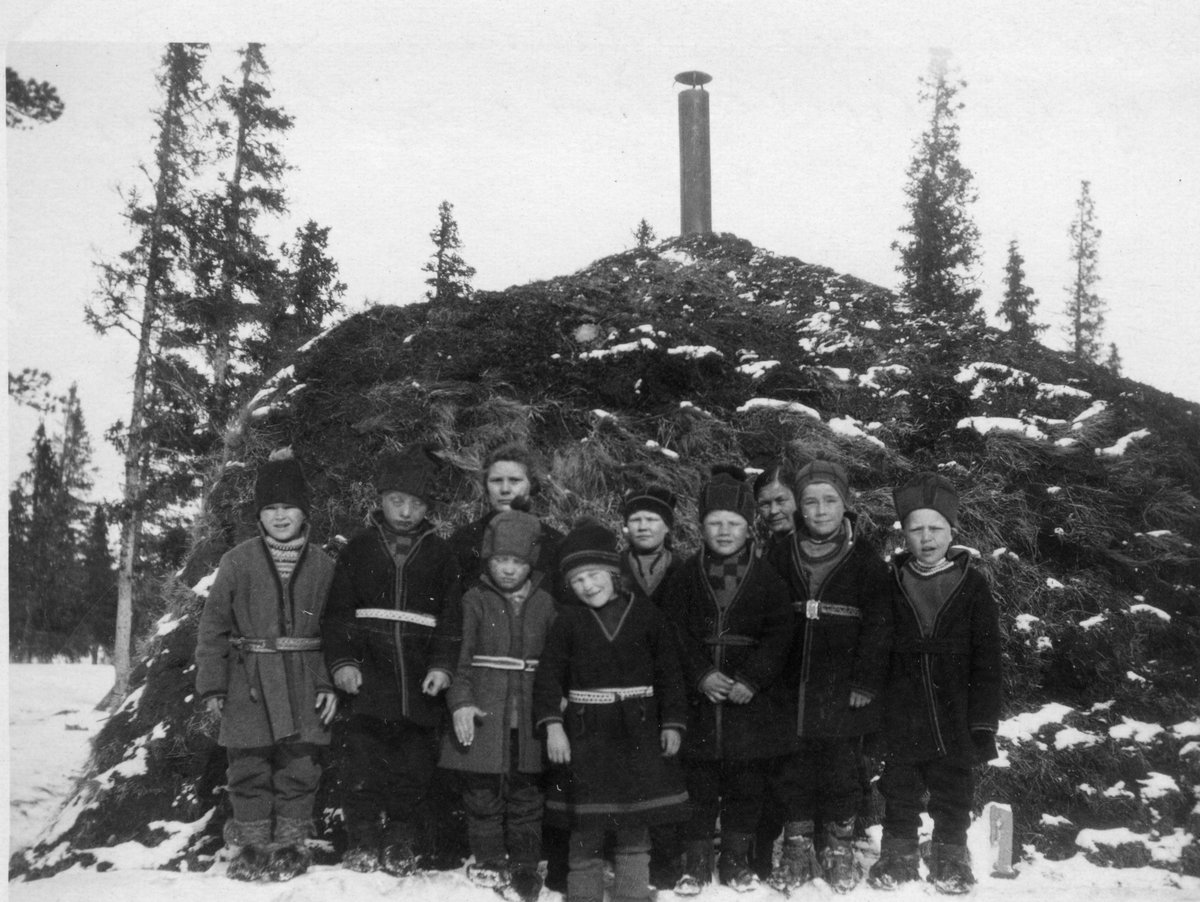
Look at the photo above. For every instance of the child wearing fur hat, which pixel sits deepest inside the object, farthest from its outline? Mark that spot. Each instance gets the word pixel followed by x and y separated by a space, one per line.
pixel 392 636
pixel 942 704
pixel 507 614
pixel 732 617
pixel 260 671
pixel 612 656
pixel 841 595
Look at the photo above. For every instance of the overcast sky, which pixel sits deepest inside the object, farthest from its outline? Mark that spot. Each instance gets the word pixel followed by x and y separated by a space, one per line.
pixel 552 129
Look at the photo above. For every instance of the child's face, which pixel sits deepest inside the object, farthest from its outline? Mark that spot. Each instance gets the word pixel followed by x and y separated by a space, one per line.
pixel 508 572
pixel 507 480
pixel 777 506
pixel 281 521
pixel 927 535
pixel 725 532
pixel 822 509
pixel 647 531
pixel 595 588
pixel 402 511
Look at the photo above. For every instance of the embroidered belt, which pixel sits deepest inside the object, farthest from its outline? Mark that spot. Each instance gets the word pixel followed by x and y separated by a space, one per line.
pixel 731 639
pixel 501 662
pixel 272 646
pixel 608 696
pixel 405 616
pixel 813 609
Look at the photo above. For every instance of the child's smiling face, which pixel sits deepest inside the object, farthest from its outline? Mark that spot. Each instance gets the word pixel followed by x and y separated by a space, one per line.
pixel 927 535
pixel 281 521
pixel 507 571
pixel 594 587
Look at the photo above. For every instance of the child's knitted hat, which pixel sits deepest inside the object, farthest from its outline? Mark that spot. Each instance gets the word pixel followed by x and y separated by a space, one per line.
pixel 281 481
pixel 824 472
pixel 589 546
pixel 727 491
pixel 512 532
pixel 412 471
pixel 927 490
pixel 656 499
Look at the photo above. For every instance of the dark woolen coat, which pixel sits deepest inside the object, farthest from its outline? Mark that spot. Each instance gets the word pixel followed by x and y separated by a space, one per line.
pixel 488 630
pixel 617 776
pixel 466 540
pixel 269 697
pixel 941 687
pixel 394 656
pixel 748 641
pixel 835 653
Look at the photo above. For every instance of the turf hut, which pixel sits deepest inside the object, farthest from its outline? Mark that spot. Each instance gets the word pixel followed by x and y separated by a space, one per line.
pixel 1079 492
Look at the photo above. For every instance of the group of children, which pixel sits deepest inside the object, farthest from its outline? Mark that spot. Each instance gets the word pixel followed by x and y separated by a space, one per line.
pixel 598 702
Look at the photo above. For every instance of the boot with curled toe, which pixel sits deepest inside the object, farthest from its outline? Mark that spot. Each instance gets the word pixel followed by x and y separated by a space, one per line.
pixel 734 865
pixel 897 863
pixel 290 855
pixel 697 868
pixel 950 869
pixel 250 843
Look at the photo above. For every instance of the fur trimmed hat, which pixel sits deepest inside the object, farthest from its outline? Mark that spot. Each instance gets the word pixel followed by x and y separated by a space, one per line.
pixel 727 491
pixel 512 532
pixel 824 472
pixel 413 471
pixel 281 481
pixel 589 545
pixel 656 499
pixel 927 490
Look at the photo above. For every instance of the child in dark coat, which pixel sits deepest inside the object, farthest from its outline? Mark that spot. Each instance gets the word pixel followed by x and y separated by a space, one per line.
pixel 732 616
pixel 611 655
pixel 259 669
pixel 942 704
pixel 391 639
pixel 841 595
pixel 507 614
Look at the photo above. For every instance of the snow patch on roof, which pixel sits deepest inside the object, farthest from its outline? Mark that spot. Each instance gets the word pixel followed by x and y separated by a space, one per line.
pixel 1135 730
pixel 757 369
pixel 1022 727
pixel 984 425
pixel 850 427
pixel 1069 737
pixel 1098 407
pixel 625 348
pixel 1025 622
pixel 695 351
pixel 312 342
pixel 1119 448
pixel 1149 609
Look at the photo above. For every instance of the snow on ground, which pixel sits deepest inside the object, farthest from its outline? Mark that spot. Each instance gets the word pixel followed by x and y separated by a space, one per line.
pixel 45 699
pixel 51 718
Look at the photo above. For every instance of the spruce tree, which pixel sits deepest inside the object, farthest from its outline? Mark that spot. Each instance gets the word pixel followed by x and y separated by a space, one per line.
pixel 1019 303
pixel 936 259
pixel 1085 309
pixel 450 276
pixel 1113 362
pixel 644 235
pixel 29 100
pixel 139 294
pixel 99 596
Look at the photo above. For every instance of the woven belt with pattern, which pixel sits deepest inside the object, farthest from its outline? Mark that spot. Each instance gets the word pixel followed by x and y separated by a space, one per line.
pixel 273 646
pixel 608 696
pixel 405 616
pixel 502 662
pixel 732 639
pixel 813 609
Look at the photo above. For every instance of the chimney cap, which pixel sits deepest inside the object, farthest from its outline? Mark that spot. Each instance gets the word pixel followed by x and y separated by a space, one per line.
pixel 695 78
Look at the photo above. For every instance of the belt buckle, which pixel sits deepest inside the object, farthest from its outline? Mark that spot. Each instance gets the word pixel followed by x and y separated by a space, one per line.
pixel 812 609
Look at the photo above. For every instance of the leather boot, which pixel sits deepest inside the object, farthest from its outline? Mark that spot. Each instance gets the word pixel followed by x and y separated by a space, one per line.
pixel 734 867
pixel 398 856
pixel 897 862
pixel 697 867
pixel 950 869
pixel 798 860
pixel 842 870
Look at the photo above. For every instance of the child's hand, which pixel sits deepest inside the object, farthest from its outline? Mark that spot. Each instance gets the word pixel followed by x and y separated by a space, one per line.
pixel 326 706
pixel 558 747
pixel 464 723
pixel 435 682
pixel 670 742
pixel 716 686
pixel 740 694
pixel 348 678
pixel 859 699
pixel 215 706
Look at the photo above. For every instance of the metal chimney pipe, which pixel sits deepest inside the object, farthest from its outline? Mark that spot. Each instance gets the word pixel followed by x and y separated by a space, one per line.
pixel 695 163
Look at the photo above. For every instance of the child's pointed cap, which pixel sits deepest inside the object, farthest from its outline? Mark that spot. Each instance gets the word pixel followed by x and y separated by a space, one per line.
pixel 512 532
